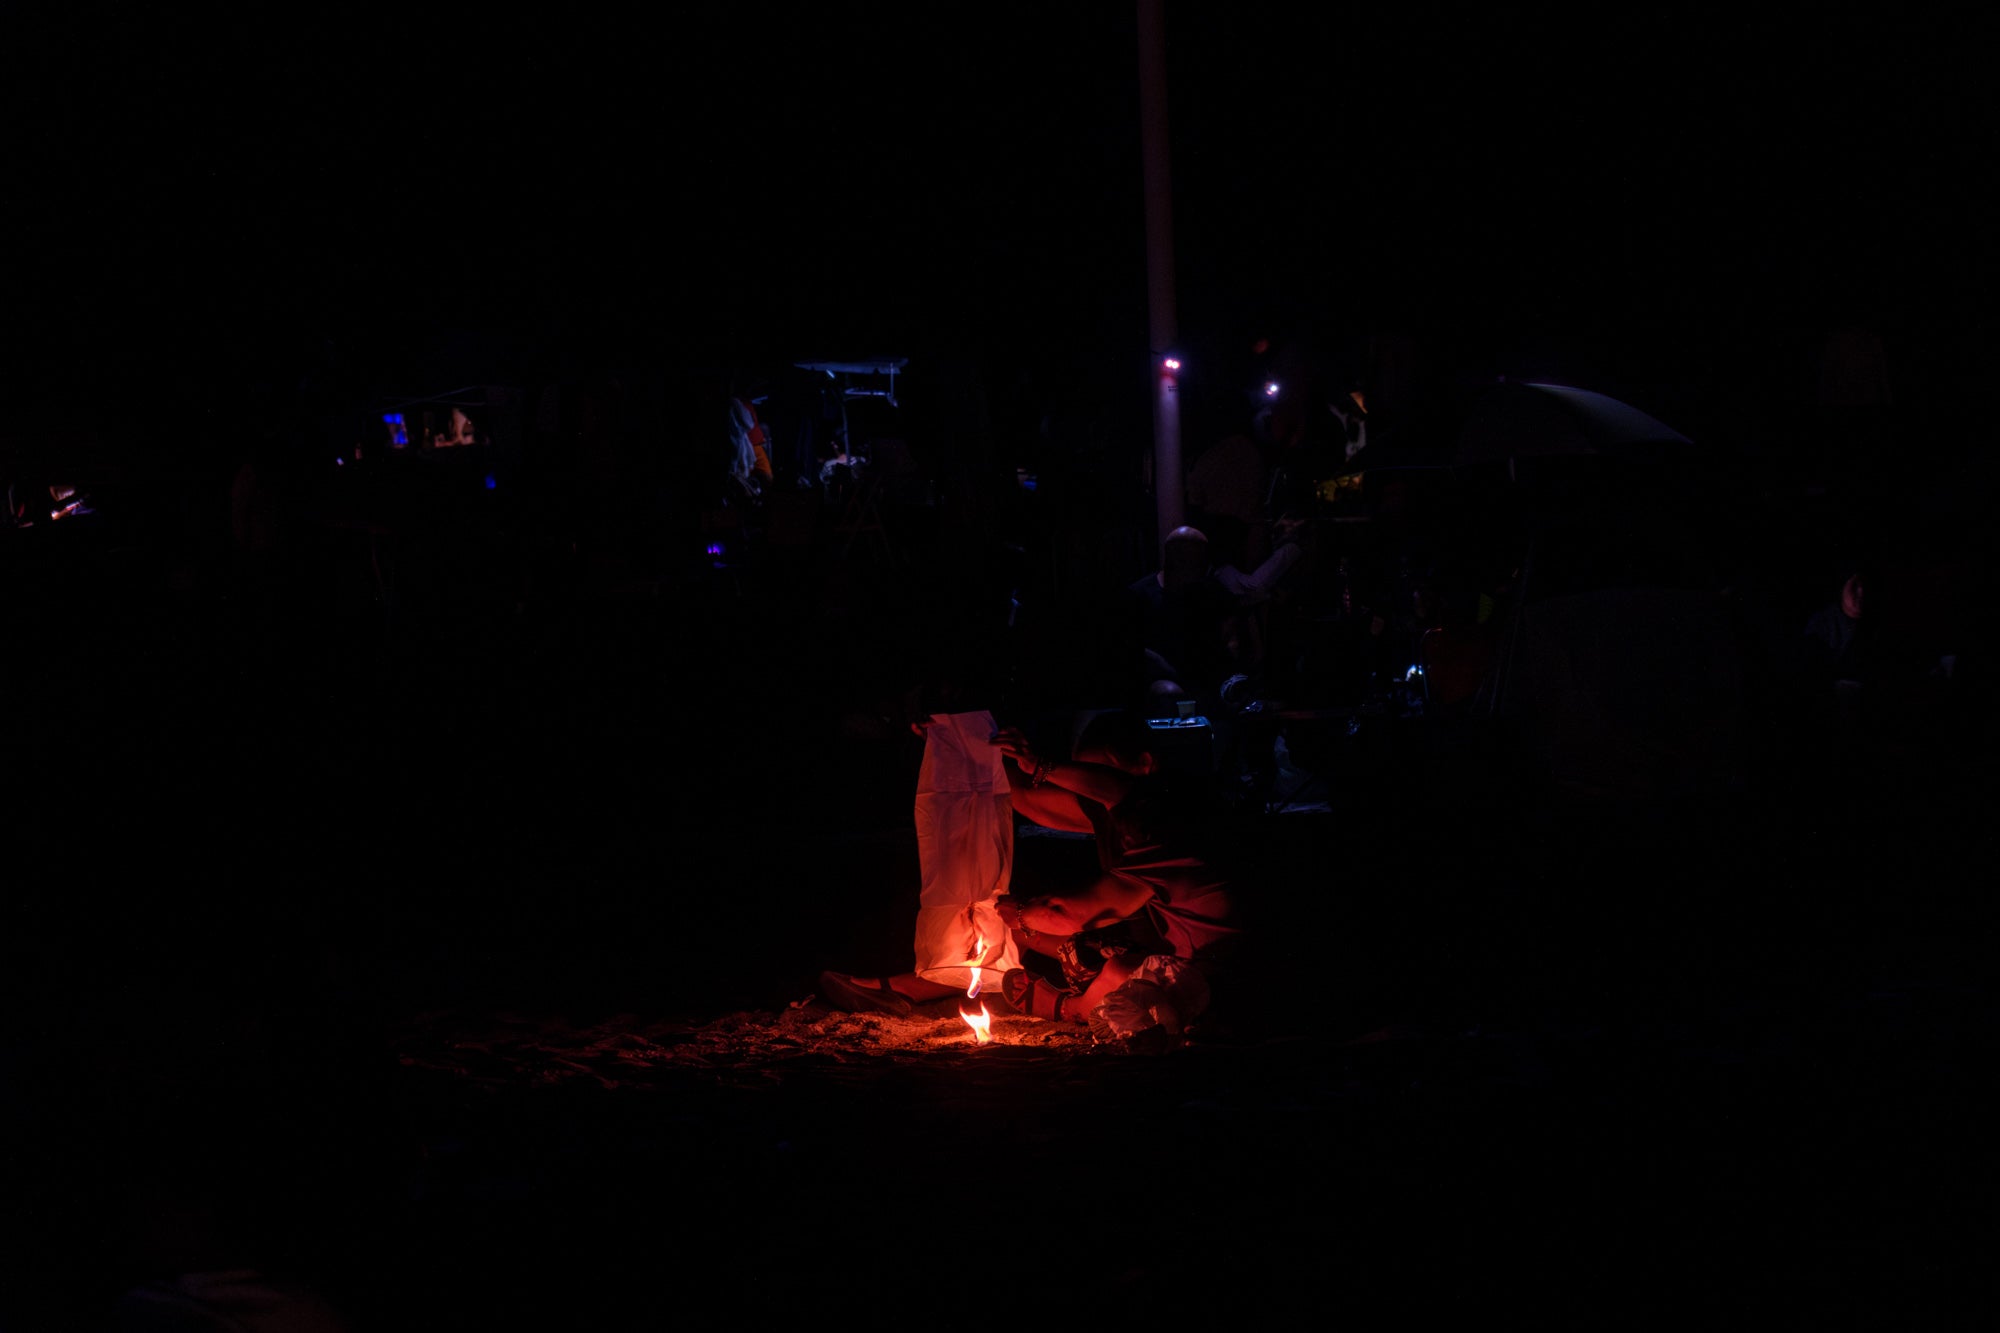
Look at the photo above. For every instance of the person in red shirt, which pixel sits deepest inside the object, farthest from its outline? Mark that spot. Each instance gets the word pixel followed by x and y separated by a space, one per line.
pixel 1162 913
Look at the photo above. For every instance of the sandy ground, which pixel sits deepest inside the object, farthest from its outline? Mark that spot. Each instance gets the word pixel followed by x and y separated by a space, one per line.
pixel 487 1168
pixel 626 1050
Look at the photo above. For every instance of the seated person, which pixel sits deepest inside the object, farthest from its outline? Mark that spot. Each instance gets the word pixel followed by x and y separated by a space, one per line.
pixel 1199 623
pixel 1834 644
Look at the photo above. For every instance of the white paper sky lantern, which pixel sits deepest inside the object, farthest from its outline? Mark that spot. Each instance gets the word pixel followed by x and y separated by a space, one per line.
pixel 965 855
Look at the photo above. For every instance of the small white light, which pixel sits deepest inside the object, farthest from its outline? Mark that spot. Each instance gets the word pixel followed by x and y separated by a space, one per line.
pixel 1271 389
pixel 1173 363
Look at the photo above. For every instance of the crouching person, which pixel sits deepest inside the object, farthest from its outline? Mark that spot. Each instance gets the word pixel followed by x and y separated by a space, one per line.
pixel 1141 947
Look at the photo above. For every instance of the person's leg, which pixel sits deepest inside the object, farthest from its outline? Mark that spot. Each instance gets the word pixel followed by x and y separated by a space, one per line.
pixel 1115 973
pixel 920 990
pixel 1039 998
pixel 907 984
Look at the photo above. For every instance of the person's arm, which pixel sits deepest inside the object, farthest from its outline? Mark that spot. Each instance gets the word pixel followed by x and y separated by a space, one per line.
pixel 1045 804
pixel 1048 805
pixel 1108 899
pixel 1093 782
pixel 1258 585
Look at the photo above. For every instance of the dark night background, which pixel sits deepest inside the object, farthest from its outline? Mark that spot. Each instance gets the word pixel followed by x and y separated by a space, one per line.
pixel 1688 206
pixel 243 832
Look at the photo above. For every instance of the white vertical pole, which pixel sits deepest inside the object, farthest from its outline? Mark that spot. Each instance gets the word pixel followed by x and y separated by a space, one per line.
pixel 1169 482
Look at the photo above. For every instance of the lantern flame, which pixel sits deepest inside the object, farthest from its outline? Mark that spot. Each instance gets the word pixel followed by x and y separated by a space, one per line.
pixel 981 1023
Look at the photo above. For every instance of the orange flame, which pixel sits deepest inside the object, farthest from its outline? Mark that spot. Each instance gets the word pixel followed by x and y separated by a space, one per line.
pixel 981 1023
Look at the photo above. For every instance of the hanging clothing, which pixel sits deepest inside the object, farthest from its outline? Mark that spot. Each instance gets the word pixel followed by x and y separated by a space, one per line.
pixel 749 441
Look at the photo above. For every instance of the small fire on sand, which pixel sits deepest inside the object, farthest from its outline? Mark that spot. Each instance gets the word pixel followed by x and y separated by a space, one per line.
pixel 981 1023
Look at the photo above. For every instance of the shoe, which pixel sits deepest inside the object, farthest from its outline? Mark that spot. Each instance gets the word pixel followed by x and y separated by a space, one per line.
pixel 844 992
pixel 1028 994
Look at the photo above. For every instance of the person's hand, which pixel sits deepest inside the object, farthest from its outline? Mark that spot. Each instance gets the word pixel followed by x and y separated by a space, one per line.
pixel 1046 915
pixel 1011 742
pixel 1013 913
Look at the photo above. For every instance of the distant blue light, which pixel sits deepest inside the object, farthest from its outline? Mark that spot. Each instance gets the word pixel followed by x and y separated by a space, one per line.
pixel 715 548
pixel 491 483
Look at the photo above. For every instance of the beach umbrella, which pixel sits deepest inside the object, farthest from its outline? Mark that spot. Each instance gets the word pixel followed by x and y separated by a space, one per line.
pixel 1511 419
